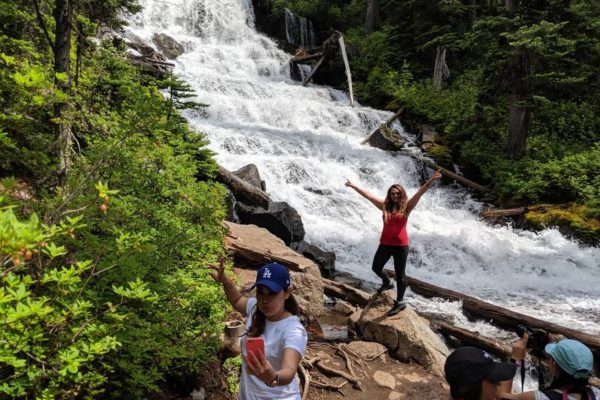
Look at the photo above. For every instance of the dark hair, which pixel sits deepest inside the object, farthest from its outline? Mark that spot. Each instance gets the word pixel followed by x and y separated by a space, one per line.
pixel 388 204
pixel 570 383
pixel 258 318
pixel 466 391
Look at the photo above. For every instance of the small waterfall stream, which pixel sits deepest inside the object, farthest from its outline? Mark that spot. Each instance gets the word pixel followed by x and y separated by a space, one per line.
pixel 306 142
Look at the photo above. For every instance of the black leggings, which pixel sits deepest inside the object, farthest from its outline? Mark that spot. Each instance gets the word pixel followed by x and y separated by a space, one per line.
pixel 400 254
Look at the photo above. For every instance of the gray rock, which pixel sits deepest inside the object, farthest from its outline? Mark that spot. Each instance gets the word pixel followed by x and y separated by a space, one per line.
pixel 386 139
pixel 324 259
pixel 384 379
pixel 281 219
pixel 250 174
pixel 169 46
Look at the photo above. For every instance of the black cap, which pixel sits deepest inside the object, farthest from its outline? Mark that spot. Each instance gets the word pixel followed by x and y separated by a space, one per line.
pixel 470 365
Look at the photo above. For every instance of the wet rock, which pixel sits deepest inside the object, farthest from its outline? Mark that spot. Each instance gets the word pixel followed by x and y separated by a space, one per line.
pixel 386 139
pixel 281 219
pixel 324 259
pixel 169 46
pixel 250 174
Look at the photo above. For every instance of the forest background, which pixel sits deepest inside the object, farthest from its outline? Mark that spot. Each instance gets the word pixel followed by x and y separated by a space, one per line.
pixel 109 211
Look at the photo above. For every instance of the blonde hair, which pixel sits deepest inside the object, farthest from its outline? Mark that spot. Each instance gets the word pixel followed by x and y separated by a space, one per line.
pixel 389 206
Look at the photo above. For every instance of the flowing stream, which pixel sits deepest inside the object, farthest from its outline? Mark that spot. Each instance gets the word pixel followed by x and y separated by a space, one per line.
pixel 306 142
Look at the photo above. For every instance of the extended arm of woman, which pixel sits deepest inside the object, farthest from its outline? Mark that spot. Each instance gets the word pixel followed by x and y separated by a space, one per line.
pixel 412 203
pixel 262 369
pixel 237 300
pixel 377 202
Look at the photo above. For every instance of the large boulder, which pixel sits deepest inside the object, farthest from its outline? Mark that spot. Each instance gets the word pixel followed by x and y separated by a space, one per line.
pixel 406 335
pixel 250 174
pixel 386 139
pixel 281 219
pixel 246 241
pixel 169 46
pixel 324 259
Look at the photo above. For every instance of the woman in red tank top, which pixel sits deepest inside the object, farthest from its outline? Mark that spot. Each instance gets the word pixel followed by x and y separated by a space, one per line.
pixel 396 208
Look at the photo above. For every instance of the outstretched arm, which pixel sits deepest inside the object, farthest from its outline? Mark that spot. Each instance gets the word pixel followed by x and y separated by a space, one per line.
pixel 412 203
pixel 237 300
pixel 377 202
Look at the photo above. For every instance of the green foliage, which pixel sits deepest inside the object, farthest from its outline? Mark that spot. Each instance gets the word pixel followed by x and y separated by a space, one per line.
pixel 53 343
pixel 232 366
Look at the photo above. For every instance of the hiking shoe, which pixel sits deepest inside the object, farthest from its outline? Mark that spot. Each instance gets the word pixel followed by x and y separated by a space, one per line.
pixel 385 286
pixel 397 307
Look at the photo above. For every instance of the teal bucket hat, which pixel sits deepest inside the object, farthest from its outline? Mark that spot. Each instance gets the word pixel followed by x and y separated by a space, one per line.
pixel 574 357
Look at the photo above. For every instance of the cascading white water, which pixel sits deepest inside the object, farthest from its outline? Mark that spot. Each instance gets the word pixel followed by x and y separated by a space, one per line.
pixel 306 142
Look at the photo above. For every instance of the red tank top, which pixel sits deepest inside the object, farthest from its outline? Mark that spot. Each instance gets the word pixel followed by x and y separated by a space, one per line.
pixel 394 231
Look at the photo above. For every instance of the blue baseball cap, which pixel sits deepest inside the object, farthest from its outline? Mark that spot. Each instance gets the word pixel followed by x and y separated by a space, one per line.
pixel 574 357
pixel 274 276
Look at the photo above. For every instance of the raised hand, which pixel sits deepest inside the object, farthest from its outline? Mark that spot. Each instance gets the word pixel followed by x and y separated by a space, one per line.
pixel 348 183
pixel 437 175
pixel 219 274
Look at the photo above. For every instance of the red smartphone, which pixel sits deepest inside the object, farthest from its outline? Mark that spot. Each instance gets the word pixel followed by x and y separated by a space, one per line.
pixel 253 345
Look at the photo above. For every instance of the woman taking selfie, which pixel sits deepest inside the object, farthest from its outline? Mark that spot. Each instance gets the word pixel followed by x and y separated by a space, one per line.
pixel 268 374
pixel 396 208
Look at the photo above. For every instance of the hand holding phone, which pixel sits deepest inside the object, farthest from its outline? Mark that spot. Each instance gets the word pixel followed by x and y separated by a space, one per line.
pixel 254 345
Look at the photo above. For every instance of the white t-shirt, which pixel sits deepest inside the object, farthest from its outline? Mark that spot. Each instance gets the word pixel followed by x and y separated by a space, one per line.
pixel 287 333
pixel 542 396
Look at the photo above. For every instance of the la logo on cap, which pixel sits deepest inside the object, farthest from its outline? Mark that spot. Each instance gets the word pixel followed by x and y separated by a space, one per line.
pixel 487 355
pixel 267 273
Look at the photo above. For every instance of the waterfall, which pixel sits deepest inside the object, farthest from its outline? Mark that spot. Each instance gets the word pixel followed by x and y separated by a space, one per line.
pixel 306 142
pixel 290 26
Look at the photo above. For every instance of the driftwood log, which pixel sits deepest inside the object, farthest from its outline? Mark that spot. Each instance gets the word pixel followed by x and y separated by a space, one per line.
pixel 452 175
pixel 346 292
pixel 301 59
pixel 242 190
pixel 384 125
pixel 314 70
pixel 506 212
pixel 498 315
pixel 475 339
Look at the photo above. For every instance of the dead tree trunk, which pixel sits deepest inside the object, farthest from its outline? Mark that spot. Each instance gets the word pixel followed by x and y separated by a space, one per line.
pixel 469 338
pixel 498 213
pixel 440 70
pixel 518 125
pixel 62 50
pixel 498 315
pixel 242 190
pixel 372 15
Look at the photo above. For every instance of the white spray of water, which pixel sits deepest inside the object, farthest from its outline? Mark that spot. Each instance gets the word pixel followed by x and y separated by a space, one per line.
pixel 306 142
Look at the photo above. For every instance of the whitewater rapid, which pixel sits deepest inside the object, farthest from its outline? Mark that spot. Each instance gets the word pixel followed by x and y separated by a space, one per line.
pixel 306 143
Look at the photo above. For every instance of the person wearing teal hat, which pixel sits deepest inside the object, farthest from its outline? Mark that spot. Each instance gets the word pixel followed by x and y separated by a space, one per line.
pixel 571 364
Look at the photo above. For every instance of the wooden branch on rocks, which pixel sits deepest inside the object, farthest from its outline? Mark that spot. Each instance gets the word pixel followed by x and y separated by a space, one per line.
pixel 346 292
pixel 452 175
pixel 475 339
pixel 306 58
pixel 305 378
pixel 384 125
pixel 242 190
pixel 314 71
pixel 499 315
pixel 506 212
pixel 258 256
pixel 333 371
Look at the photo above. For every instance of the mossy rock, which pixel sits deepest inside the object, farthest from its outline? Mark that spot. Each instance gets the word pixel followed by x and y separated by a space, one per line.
pixel 570 218
pixel 441 154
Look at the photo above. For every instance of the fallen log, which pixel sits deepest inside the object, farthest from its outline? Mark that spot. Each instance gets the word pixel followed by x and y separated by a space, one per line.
pixel 306 58
pixel 242 190
pixel 506 212
pixel 258 256
pixel 452 175
pixel 498 315
pixel 314 71
pixel 346 292
pixel 475 339
pixel 384 125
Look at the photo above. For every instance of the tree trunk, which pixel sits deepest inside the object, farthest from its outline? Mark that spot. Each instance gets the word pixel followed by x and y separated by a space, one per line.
pixel 372 15
pixel 242 190
pixel 511 5
pixel 518 125
pixel 62 50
